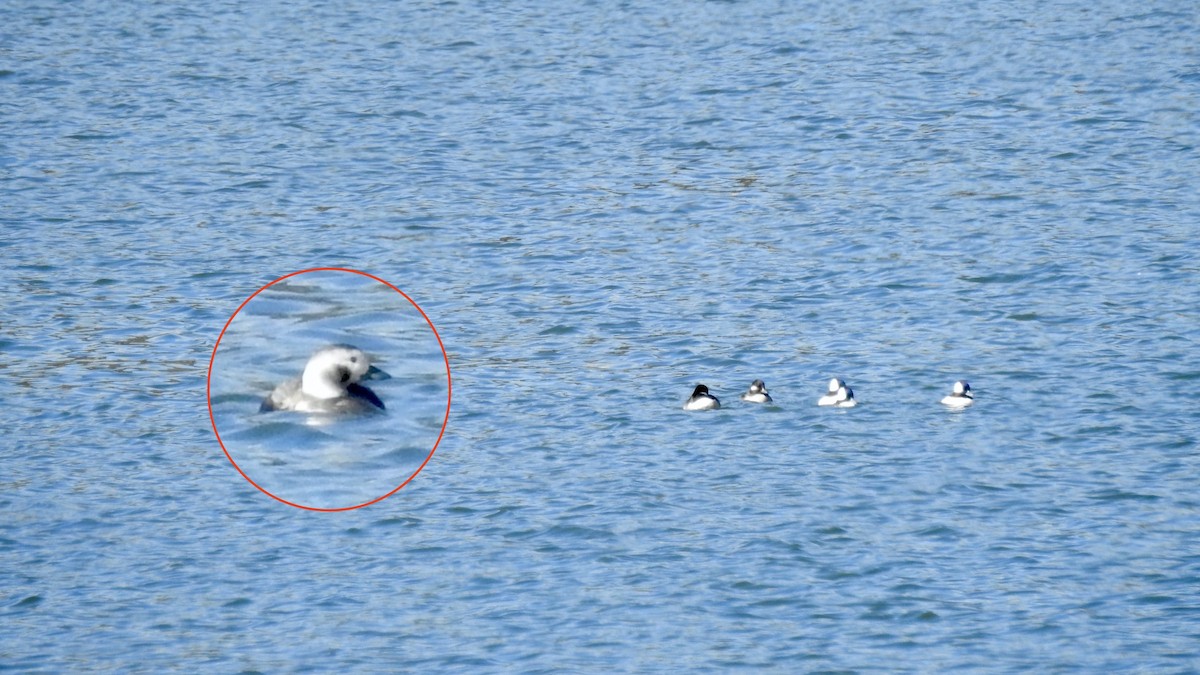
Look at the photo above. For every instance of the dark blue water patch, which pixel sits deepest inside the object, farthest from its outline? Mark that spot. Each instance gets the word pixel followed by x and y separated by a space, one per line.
pixel 1122 495
pixel 92 135
pixel 457 45
pixel 28 602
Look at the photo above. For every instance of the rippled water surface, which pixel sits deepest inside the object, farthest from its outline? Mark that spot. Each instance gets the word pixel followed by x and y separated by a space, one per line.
pixel 600 205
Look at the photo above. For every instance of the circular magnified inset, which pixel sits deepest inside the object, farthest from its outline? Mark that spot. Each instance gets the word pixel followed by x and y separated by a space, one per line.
pixel 329 389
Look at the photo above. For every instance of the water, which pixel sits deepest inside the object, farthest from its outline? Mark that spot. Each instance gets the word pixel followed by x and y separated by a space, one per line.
pixel 599 206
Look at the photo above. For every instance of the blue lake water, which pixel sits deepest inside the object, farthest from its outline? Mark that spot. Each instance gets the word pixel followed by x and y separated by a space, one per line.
pixel 600 205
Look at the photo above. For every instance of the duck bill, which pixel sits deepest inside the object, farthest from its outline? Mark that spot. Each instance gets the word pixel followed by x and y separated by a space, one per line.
pixel 374 373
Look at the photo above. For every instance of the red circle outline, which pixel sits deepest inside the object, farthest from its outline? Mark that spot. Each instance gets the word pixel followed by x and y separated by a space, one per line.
pixel 213 419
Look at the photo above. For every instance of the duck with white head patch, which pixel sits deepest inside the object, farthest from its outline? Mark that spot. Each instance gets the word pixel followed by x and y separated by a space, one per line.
pixel 960 396
pixel 757 393
pixel 330 384
pixel 839 395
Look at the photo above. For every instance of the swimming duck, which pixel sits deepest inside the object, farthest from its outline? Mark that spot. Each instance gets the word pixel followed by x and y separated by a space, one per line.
pixel 757 393
pixel 960 397
pixel 702 400
pixel 839 395
pixel 330 384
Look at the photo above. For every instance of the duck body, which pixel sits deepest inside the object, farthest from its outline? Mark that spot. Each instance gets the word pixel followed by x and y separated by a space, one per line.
pixel 330 384
pixel 960 396
pixel 757 393
pixel 702 400
pixel 838 395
